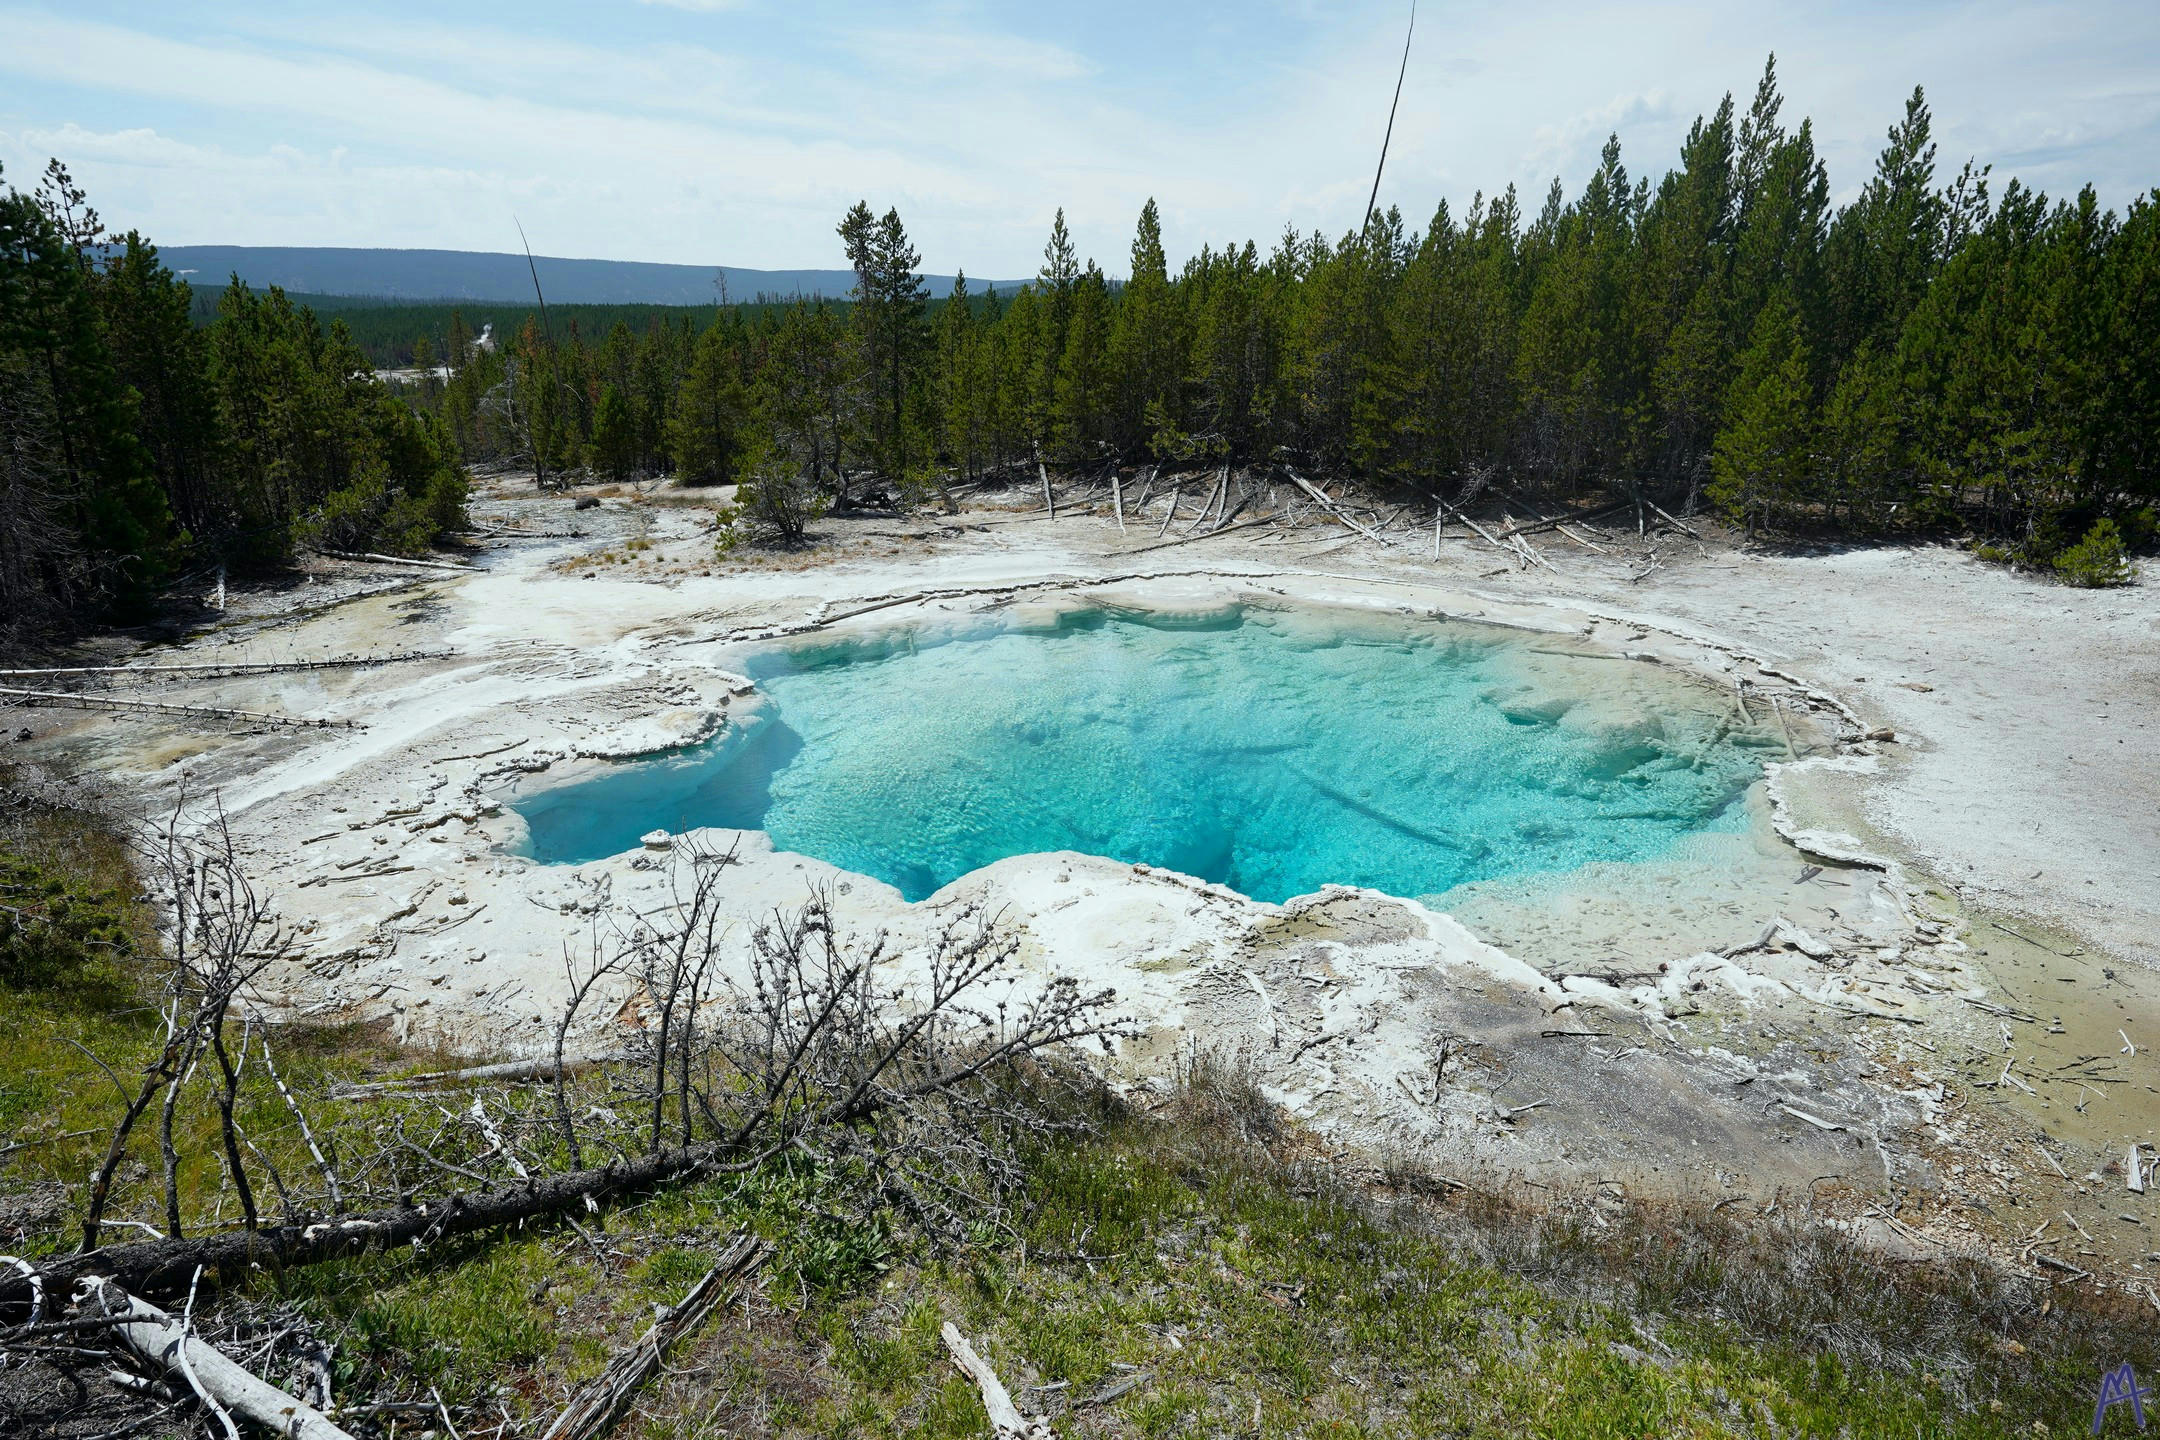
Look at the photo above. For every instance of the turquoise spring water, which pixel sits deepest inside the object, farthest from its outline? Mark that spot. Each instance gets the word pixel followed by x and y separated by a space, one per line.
pixel 1271 753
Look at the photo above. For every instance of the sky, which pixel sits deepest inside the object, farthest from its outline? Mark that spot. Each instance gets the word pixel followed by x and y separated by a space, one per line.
pixel 738 131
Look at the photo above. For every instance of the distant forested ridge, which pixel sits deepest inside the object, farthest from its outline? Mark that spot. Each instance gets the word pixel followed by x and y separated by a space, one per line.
pixel 1930 358
pixel 393 333
pixel 493 276
pixel 137 447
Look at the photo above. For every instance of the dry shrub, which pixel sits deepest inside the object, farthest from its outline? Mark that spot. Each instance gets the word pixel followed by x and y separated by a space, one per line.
pixel 1782 1279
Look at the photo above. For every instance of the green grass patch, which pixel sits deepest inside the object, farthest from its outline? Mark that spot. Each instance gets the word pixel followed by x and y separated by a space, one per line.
pixel 1199 1272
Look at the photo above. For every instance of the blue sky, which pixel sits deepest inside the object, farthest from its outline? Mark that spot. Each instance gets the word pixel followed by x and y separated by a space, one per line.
pixel 737 131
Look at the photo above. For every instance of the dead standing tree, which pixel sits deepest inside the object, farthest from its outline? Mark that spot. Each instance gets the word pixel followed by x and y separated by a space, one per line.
pixel 219 934
pixel 950 1074
pixel 674 959
pixel 818 1049
pixel 923 1069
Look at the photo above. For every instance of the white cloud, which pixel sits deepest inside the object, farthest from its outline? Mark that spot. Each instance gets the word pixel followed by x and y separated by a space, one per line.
pixel 977 56
pixel 743 142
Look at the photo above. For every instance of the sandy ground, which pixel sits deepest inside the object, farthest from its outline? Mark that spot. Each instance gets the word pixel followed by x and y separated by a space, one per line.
pixel 1898 996
pixel 2029 773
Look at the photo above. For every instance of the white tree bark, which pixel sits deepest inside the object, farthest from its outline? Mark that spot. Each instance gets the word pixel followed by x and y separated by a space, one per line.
pixel 161 1341
pixel 1006 1421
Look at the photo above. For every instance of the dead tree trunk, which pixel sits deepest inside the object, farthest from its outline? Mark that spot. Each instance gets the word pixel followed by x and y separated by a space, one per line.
pixel 1331 507
pixel 1006 1421
pixel 163 1267
pixel 508 1070
pixel 596 1408
pixel 158 1339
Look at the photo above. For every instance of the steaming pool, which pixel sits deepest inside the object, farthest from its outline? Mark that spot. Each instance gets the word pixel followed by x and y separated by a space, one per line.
pixel 1273 752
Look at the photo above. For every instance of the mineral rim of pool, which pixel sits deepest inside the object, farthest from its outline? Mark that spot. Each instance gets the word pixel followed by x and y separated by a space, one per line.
pixel 1273 752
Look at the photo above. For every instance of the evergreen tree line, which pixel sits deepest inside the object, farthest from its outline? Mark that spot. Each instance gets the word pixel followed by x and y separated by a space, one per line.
pixel 1927 356
pixel 138 448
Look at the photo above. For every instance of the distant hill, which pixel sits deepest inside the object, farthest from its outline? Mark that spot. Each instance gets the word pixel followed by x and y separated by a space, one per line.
pixel 480 275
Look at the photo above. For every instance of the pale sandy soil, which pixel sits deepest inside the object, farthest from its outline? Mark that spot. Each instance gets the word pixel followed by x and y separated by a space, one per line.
pixel 1592 1028
pixel 2029 773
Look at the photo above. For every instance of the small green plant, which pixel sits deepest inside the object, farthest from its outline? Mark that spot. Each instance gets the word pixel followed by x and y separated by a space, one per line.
pixel 52 927
pixel 2100 559
pixel 922 487
pixel 774 505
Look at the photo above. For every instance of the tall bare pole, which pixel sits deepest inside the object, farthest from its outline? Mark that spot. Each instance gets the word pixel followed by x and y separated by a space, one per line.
pixel 549 330
pixel 1390 135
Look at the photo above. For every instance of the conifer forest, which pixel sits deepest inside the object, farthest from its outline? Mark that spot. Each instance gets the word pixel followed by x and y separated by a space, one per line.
pixel 1945 353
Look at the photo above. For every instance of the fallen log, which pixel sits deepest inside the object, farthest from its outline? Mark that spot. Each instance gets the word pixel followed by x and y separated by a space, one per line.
pixel 1815 1120
pixel 508 1070
pixel 269 667
pixel 1224 521
pixel 157 1339
pixel 1679 525
pixel 596 1407
pixel 1558 521
pixel 165 1267
pixel 1487 536
pixel 1320 498
pixel 1209 503
pixel 1188 539
pixel 159 707
pixel 373 559
pixel 1006 1421
pixel 1579 539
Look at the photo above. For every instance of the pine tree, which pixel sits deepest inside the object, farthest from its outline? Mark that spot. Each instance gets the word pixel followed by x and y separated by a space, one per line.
pixel 1456 329
pixel 71 404
pixel 1054 284
pixel 1678 300
pixel 890 302
pixel 1888 244
pixel 1147 360
pixel 1782 197
pixel 1576 366
pixel 707 433
pixel 160 353
pixel 614 437
pixel 1865 476
pixel 656 370
pixel 954 405
pixel 1082 420
pixel 460 349
pixel 1764 455
pixel 2124 415
pixel 809 398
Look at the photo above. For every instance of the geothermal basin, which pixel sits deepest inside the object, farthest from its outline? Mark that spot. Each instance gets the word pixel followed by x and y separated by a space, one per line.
pixel 1274 752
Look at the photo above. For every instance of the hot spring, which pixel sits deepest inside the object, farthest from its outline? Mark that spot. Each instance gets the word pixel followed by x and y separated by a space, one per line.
pixel 1271 752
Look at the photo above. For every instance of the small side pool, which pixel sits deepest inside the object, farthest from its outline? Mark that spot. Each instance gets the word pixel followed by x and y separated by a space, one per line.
pixel 1271 752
